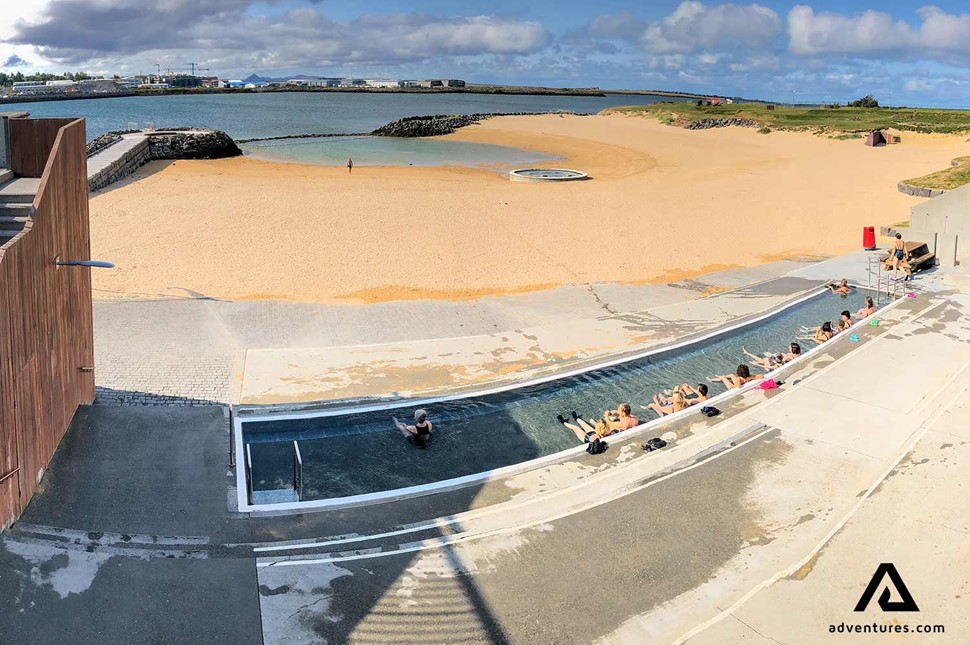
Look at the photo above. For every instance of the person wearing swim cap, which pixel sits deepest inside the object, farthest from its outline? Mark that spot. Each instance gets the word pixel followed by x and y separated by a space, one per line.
pixel 420 432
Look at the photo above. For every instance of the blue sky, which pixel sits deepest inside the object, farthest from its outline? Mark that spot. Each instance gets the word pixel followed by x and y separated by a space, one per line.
pixel 814 51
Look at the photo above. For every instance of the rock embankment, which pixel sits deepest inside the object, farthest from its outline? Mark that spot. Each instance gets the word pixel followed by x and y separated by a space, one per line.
pixel 706 124
pixel 439 124
pixel 192 144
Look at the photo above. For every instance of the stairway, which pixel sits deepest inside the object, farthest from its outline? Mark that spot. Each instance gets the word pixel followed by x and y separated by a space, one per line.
pixel 16 204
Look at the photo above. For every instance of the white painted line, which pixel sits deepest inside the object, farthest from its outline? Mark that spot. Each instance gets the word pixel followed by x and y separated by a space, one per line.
pixel 909 446
pixel 513 469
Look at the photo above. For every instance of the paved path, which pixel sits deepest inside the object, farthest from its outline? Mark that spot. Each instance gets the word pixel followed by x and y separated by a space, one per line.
pixel 113 153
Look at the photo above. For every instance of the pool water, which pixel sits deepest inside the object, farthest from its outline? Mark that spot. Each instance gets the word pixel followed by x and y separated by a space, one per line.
pixel 390 151
pixel 362 453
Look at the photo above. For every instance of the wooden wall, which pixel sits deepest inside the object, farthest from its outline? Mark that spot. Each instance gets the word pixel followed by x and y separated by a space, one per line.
pixel 31 141
pixel 46 325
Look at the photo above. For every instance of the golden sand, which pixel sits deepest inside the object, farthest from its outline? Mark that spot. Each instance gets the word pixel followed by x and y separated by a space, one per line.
pixel 664 204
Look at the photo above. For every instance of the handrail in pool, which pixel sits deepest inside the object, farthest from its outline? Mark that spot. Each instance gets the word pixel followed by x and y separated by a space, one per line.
pixel 454 483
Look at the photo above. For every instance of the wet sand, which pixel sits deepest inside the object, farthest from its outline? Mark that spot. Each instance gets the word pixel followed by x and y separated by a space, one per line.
pixel 664 204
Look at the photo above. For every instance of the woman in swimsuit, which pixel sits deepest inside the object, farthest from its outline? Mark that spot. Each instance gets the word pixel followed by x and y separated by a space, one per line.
pixel 677 402
pixel 741 376
pixel 899 252
pixel 420 432
pixel 866 311
pixel 842 288
pixel 823 333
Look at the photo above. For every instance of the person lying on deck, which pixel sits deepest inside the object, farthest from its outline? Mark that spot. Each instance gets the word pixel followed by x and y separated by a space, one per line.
pixel 741 376
pixel 420 432
pixel 866 311
pixel 842 288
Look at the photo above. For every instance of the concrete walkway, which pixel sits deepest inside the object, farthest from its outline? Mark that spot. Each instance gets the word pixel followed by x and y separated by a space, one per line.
pixel 113 153
pixel 193 351
pixel 852 463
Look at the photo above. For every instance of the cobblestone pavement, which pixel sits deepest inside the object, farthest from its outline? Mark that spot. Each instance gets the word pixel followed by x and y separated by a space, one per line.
pixel 192 351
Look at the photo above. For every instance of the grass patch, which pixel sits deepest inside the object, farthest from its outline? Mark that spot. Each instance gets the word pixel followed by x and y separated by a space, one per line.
pixel 834 121
pixel 764 130
pixel 847 135
pixel 947 179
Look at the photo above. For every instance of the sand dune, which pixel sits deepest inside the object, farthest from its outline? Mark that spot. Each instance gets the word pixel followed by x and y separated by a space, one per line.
pixel 664 203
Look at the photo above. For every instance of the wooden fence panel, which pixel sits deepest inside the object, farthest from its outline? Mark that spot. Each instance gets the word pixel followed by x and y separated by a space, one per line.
pixel 46 322
pixel 31 142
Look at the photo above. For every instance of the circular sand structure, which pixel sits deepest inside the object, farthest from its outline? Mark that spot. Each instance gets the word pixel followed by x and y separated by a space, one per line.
pixel 547 175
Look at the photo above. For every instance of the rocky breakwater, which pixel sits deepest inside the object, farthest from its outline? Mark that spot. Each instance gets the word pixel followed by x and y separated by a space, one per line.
pixel 191 144
pixel 706 124
pixel 439 124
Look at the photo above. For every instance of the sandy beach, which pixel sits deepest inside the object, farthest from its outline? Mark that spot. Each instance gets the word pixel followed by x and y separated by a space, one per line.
pixel 664 204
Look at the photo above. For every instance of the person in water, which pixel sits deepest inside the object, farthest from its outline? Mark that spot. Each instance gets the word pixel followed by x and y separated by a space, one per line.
pixel 767 362
pixel 823 332
pixel 420 432
pixel 665 406
pixel 741 376
pixel 794 351
pixel 867 310
pixel 613 421
pixel 842 288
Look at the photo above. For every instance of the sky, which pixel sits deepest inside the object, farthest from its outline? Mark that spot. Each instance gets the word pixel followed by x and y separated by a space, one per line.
pixel 822 51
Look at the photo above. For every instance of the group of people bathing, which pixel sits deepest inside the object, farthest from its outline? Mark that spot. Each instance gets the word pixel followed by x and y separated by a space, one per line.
pixel 681 396
pixel 685 395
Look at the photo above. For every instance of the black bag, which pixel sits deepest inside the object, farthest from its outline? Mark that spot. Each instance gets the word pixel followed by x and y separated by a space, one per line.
pixel 597 446
pixel 710 411
pixel 654 444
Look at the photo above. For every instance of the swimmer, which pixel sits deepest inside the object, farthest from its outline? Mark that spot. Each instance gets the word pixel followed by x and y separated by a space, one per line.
pixel 741 376
pixel 420 432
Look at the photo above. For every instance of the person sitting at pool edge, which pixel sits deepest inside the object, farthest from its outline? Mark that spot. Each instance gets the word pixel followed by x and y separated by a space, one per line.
pixel 794 351
pixel 824 333
pixel 866 311
pixel 682 396
pixel 741 376
pixel 842 288
pixel 420 432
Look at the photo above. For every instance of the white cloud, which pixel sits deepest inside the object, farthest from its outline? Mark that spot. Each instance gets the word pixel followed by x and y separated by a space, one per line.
pixel 876 33
pixel 694 25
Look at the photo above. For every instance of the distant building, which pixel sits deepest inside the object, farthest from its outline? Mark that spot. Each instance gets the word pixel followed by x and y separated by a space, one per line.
pixel 454 82
pixel 185 80
pixel 430 84
pixel 408 83
pixel 382 83
pixel 352 82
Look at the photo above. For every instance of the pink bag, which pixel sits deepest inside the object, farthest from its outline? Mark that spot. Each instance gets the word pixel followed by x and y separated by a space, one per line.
pixel 767 384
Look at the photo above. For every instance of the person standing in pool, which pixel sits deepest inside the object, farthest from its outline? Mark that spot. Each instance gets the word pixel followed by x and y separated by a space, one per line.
pixel 350 166
pixel 420 432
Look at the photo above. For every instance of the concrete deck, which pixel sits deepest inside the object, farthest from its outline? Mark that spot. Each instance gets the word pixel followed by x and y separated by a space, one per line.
pixel 861 460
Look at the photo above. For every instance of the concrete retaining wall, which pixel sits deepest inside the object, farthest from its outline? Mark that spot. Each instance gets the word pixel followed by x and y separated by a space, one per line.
pixel 125 165
pixel 916 191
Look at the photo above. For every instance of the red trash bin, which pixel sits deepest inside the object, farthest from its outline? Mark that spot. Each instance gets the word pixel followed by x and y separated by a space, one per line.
pixel 869 238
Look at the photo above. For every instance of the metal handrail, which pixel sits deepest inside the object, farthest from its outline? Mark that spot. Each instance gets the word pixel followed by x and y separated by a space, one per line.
pixel 249 475
pixel 297 472
pixel 13 472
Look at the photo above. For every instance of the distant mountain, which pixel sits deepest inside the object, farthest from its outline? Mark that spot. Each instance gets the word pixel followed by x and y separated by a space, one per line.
pixel 256 78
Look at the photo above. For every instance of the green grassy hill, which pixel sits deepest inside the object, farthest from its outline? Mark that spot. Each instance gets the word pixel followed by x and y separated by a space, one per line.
pixel 818 120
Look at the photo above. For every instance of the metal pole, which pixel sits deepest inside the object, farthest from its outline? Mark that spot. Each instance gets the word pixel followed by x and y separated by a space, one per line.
pixel 249 475
pixel 232 439
pixel 297 472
